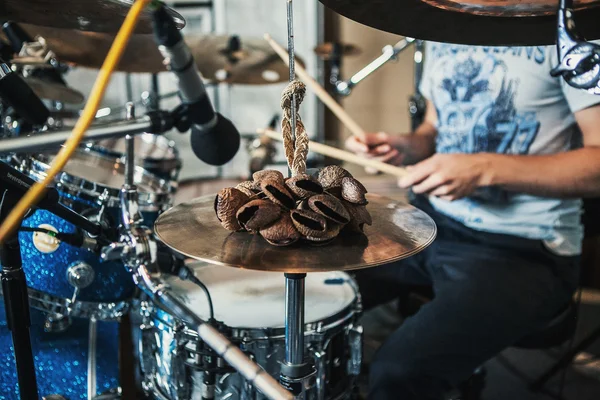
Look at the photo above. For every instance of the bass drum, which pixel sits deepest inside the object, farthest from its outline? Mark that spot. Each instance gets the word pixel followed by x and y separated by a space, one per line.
pixel 251 307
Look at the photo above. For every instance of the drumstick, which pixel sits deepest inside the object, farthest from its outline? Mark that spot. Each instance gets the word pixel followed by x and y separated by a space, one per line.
pixel 325 97
pixel 343 155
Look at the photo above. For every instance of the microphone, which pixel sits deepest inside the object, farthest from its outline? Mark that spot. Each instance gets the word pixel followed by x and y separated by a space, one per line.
pixel 214 139
pixel 15 92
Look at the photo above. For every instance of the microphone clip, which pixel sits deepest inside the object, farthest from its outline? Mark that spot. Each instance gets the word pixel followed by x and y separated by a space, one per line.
pixel 579 60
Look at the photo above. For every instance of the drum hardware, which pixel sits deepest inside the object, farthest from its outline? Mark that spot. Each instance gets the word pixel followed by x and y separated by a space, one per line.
pixel 86 15
pixel 389 53
pixel 579 60
pixel 138 249
pixel 332 50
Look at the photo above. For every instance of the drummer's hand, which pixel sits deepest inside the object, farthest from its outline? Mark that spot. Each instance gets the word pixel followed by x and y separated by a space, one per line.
pixel 377 146
pixel 448 176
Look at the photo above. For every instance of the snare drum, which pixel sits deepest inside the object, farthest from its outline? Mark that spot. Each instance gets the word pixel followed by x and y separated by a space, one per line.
pixel 251 304
pixel 57 272
pixel 156 154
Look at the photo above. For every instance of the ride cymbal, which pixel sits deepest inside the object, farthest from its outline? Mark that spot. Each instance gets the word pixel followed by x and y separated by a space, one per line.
pixel 84 15
pixel 474 22
pixel 222 59
pixel 398 231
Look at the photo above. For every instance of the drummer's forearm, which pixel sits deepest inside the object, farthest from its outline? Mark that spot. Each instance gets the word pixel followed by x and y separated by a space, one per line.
pixel 419 145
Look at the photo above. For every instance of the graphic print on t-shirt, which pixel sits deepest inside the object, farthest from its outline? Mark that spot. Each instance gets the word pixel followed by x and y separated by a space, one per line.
pixel 474 99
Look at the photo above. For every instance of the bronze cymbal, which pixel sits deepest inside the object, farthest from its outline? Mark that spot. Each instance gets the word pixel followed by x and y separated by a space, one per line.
pixel 326 50
pixel 254 63
pixel 84 15
pixel 54 91
pixel 398 231
pixel 474 22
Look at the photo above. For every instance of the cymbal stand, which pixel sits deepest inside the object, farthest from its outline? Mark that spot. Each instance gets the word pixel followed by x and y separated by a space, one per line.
pixel 390 53
pixel 295 371
pixel 138 250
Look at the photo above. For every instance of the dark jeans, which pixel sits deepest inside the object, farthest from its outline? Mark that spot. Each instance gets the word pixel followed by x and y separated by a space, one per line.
pixel 490 291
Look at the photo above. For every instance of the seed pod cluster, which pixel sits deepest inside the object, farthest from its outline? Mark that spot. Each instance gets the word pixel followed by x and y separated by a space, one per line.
pixel 303 207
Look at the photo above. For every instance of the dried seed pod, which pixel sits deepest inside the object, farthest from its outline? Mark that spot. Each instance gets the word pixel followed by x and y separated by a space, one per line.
pixel 353 191
pixel 303 205
pixel 277 192
pixel 258 214
pixel 335 191
pixel 303 186
pixel 249 188
pixel 282 232
pixel 309 223
pixel 332 176
pixel 359 216
pixel 329 207
pixel 227 202
pixel 265 174
pixel 332 231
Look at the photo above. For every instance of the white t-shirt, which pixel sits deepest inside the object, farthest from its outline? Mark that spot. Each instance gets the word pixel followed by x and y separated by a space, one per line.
pixel 503 100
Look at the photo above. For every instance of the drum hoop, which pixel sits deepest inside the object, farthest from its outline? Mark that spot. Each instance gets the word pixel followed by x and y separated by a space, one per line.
pixel 106 311
pixel 172 161
pixel 91 191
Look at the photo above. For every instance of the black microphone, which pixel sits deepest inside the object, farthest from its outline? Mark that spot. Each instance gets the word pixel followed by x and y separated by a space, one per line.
pixel 15 92
pixel 214 139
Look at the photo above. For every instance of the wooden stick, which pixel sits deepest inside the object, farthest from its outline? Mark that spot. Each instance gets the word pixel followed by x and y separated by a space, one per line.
pixel 335 108
pixel 343 155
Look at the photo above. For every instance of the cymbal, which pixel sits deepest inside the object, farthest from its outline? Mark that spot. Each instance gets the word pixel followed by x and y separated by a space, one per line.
pixel 326 50
pixel 474 22
pixel 398 231
pixel 84 15
pixel 54 91
pixel 254 63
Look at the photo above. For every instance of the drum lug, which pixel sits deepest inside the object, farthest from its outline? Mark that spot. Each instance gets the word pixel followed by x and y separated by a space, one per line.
pixel 79 275
pixel 355 336
pixel 56 323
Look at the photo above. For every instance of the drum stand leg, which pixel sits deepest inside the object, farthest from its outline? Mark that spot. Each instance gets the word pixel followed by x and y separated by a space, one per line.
pixel 295 370
pixel 16 302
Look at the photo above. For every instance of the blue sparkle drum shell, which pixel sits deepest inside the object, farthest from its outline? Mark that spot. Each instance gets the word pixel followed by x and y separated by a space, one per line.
pixel 61 359
pixel 90 185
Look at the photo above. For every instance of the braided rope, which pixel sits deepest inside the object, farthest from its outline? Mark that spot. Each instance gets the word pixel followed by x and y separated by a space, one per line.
pixel 295 153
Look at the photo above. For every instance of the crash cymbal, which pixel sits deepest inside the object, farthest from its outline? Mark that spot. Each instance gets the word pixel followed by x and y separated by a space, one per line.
pixel 475 22
pixel 54 91
pixel 85 15
pixel 219 58
pixel 328 50
pixel 398 231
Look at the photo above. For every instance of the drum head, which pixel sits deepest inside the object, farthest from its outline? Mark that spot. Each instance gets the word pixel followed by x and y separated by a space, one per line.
pixel 256 299
pixel 103 172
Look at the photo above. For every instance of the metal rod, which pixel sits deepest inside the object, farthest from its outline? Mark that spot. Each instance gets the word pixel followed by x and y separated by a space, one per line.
pixel 389 53
pixel 292 61
pixel 130 151
pixel 91 367
pixel 294 318
pixel 49 140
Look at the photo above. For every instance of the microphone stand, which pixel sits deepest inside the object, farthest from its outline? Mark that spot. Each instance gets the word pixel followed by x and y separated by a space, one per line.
pixel 16 303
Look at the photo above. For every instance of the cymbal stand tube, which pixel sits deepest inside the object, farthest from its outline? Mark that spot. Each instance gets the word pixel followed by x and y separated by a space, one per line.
pixel 390 53
pixel 295 371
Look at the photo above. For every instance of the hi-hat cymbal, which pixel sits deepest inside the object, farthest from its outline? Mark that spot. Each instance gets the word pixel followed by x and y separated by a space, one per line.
pixel 85 15
pixel 328 50
pixel 398 231
pixel 252 62
pixel 54 91
pixel 475 22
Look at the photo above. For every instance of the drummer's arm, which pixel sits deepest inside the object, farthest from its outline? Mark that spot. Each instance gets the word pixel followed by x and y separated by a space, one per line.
pixel 399 149
pixel 575 173
pixel 571 174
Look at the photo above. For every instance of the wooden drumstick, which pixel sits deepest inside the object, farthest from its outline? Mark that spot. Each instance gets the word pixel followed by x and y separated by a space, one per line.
pixel 325 97
pixel 343 155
